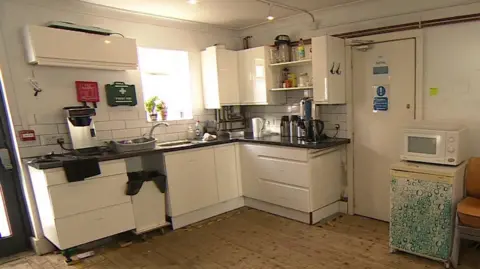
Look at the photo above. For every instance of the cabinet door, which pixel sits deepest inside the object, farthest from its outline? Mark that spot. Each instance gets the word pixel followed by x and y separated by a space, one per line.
pixel 192 182
pixel 226 169
pixel 336 81
pixel 210 79
pixel 250 183
pixel 227 62
pixel 319 69
pixel 421 219
pixel 328 63
pixel 244 77
pixel 258 67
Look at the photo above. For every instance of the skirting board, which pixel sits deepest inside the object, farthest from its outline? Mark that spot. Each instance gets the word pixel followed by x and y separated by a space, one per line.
pixel 331 209
pixel 316 216
pixel 278 210
pixel 41 246
pixel 205 213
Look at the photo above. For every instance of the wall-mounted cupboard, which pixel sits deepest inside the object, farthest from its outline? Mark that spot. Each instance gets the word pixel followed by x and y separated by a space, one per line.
pixel 247 77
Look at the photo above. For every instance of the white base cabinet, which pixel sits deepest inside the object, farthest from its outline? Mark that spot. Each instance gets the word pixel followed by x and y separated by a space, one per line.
pixel 75 213
pixel 200 179
pixel 301 179
pixel 192 182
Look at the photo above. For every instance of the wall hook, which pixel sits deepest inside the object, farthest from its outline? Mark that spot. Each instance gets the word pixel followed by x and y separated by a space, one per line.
pixel 338 69
pixel 332 70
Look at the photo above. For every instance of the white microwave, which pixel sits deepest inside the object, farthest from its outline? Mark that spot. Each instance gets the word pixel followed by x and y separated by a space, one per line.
pixel 438 145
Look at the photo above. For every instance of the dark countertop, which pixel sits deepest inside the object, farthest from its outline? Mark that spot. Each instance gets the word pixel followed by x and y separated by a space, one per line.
pixel 267 140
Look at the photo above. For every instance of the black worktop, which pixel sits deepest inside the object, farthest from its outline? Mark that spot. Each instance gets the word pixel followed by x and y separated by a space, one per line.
pixel 267 140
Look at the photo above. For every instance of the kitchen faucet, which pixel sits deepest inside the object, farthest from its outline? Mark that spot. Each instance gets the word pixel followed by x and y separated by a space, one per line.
pixel 155 126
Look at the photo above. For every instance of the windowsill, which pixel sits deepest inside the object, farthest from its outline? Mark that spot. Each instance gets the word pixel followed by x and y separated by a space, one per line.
pixel 169 120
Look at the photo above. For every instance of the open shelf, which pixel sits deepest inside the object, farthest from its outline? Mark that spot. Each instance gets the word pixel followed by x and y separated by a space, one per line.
pixel 291 89
pixel 294 63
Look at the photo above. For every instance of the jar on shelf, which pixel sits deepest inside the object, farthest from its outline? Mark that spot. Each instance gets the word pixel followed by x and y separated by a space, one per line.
pixel 303 80
pixel 282 42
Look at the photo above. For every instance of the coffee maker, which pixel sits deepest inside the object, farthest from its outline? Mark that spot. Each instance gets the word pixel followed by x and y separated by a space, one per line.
pixel 81 126
pixel 312 129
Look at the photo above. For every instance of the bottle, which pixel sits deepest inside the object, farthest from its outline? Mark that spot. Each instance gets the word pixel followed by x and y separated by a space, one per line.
pixel 190 133
pixel 301 50
pixel 198 129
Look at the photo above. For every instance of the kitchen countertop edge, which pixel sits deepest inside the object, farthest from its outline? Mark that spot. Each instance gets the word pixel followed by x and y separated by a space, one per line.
pixel 266 141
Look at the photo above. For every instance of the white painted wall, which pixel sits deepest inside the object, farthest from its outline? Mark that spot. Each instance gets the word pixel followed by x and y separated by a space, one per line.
pixel 360 15
pixel 44 113
pixel 452 64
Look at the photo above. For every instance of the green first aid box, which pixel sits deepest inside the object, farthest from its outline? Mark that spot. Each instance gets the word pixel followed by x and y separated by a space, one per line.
pixel 121 94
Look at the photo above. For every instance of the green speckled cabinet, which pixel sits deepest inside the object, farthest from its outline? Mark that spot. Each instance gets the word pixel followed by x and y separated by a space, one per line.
pixel 422 212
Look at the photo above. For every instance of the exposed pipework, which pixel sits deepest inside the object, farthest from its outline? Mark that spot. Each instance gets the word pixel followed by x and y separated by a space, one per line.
pixel 269 2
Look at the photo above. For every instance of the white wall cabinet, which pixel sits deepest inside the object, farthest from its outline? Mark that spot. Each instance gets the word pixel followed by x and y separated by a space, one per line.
pixel 226 171
pixel 192 182
pixel 77 49
pixel 328 60
pixel 220 77
pixel 255 78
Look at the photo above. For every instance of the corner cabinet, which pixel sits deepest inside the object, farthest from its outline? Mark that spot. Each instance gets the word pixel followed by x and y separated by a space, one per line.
pixel 220 77
pixel 328 66
pixel 255 78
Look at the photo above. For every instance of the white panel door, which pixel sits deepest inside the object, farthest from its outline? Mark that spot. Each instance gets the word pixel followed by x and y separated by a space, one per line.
pixel 378 134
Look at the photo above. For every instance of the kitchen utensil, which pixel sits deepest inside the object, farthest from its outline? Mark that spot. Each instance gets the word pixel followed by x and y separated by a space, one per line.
pixel 285 127
pixel 258 125
pixel 294 126
pixel 303 80
pixel 283 44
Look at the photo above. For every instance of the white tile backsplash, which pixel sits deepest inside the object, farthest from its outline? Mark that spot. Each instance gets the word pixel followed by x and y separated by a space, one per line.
pixel 137 124
pixel 45 129
pixel 124 115
pixel 126 133
pixel 62 128
pixel 109 125
pixel 330 114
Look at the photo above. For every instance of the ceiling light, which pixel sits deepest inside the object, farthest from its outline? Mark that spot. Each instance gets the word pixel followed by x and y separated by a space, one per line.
pixel 192 2
pixel 270 17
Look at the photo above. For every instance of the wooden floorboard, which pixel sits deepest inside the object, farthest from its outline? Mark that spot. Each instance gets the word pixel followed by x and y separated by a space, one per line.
pixel 248 238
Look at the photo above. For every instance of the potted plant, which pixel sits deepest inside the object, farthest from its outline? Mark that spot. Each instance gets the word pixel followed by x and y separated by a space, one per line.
pixel 161 107
pixel 150 105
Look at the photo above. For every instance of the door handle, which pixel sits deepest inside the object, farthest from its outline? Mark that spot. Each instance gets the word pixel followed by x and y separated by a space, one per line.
pixel 5 158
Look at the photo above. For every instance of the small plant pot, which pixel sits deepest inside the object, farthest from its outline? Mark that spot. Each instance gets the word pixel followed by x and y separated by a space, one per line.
pixel 154 117
pixel 163 115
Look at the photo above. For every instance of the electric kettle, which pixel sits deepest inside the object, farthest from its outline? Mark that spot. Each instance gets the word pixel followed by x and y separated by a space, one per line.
pixel 258 125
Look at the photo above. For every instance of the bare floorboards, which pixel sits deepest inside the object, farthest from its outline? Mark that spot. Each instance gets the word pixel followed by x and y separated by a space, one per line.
pixel 248 238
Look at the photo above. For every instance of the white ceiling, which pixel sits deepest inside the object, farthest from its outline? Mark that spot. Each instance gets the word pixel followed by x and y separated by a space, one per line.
pixel 232 14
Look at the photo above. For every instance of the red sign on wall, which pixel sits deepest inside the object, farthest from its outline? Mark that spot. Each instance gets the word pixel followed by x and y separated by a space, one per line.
pixel 87 91
pixel 27 135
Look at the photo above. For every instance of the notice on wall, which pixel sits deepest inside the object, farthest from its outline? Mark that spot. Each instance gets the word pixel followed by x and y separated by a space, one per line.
pixel 433 91
pixel 380 99
pixel 121 94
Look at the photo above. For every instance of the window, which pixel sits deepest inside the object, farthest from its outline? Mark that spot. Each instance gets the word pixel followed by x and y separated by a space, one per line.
pixel 166 75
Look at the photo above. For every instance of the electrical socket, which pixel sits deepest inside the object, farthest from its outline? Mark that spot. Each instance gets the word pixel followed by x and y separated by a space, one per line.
pixel 52 139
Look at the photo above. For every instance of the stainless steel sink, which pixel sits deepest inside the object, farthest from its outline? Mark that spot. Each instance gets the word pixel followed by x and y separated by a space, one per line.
pixel 176 143
pixel 136 144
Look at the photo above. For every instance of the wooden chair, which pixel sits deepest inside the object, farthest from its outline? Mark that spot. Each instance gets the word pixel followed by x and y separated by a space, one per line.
pixel 468 210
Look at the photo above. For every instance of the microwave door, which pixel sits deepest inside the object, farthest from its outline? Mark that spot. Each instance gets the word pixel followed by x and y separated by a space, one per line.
pixel 425 146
